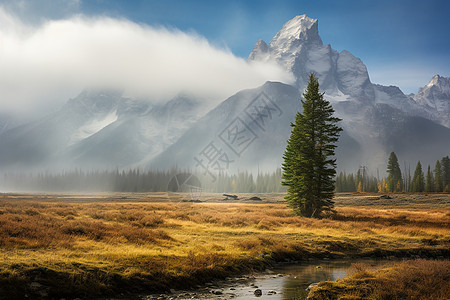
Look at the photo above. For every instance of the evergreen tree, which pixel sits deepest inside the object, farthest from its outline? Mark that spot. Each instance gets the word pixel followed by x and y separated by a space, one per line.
pixel 429 185
pixel 418 184
pixel 250 184
pixel 372 185
pixel 445 162
pixel 308 168
pixel 339 183
pixel 394 180
pixel 351 183
pixel 438 177
pixel 382 186
pixel 408 179
pixel 358 182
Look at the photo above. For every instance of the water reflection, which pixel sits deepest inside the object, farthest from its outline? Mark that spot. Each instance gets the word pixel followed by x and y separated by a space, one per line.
pixel 291 281
pixel 286 282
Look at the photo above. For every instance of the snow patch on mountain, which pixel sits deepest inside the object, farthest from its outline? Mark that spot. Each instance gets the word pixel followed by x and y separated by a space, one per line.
pixel 337 96
pixel 92 127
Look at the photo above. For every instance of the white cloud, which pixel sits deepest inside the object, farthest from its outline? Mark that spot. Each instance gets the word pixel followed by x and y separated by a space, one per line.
pixel 46 64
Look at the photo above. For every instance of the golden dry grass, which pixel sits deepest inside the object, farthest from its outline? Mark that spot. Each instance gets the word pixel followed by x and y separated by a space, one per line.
pixel 76 246
pixel 409 279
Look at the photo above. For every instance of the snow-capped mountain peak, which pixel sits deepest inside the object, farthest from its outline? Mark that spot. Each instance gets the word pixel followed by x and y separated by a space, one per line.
pixel 260 51
pixel 299 49
pixel 439 82
pixel 300 29
pixel 434 80
pixel 435 94
pixel 289 42
pixel 434 98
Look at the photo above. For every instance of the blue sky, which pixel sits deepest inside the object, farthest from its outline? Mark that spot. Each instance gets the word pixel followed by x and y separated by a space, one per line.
pixel 403 43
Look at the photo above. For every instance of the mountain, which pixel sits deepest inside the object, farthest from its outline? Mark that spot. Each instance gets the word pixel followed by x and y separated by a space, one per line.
pixel 141 131
pixel 237 136
pixel 98 129
pixel 342 76
pixel 360 103
pixel 299 48
pixel 370 133
pixel 434 100
pixel 377 119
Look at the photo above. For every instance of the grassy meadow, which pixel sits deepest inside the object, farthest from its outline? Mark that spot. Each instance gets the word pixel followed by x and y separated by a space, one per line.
pixel 100 245
pixel 409 279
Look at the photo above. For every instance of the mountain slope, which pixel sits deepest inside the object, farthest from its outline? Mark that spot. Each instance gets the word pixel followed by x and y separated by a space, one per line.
pixel 263 140
pixel 370 133
pixel 35 144
pixel 98 129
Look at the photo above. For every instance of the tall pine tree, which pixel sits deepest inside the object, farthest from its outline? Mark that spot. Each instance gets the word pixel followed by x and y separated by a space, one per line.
pixel 438 177
pixel 394 180
pixel 429 182
pixel 445 163
pixel 309 166
pixel 418 183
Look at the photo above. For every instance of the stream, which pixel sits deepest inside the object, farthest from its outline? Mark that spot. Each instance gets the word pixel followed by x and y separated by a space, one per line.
pixel 288 281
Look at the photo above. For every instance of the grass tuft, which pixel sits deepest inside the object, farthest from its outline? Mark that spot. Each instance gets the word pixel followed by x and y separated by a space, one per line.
pixel 409 279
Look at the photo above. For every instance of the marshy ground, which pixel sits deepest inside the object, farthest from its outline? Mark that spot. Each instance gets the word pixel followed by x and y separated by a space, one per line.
pixel 125 244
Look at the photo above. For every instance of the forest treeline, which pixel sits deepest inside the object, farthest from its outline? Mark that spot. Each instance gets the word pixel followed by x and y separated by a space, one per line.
pixel 435 179
pixel 139 181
